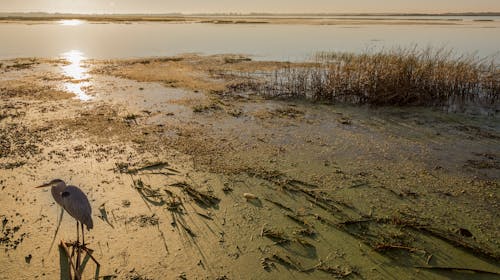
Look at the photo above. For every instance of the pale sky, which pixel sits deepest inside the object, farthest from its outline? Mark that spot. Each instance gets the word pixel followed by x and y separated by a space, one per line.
pixel 245 6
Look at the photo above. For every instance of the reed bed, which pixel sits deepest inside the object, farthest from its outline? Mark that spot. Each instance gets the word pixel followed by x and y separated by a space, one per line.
pixel 408 76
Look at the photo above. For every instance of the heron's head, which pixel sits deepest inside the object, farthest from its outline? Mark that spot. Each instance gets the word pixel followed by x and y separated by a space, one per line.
pixel 52 183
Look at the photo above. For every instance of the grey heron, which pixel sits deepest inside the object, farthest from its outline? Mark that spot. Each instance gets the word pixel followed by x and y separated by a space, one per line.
pixel 74 201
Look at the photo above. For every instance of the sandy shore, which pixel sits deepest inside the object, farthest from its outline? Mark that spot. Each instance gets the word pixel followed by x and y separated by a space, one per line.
pixel 166 150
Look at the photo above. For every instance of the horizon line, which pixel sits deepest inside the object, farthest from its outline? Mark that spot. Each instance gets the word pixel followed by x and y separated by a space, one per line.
pixel 269 13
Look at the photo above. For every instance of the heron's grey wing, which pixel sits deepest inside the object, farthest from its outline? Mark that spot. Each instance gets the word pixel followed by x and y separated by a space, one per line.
pixel 75 202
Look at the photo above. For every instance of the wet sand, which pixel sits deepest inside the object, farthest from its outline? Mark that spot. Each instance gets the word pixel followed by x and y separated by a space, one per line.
pixel 191 175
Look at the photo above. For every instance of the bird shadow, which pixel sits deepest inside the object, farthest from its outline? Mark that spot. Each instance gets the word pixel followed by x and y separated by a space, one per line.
pixel 71 264
pixel 57 229
pixel 64 265
pixel 66 269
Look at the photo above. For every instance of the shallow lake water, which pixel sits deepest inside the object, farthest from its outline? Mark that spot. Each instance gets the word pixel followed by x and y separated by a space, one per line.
pixel 293 42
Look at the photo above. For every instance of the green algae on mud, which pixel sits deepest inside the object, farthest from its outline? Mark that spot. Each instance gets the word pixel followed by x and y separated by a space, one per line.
pixel 343 191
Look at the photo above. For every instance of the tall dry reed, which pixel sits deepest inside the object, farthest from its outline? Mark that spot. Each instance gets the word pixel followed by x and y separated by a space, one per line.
pixel 408 76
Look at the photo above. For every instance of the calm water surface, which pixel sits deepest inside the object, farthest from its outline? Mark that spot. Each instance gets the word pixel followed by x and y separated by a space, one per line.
pixel 263 41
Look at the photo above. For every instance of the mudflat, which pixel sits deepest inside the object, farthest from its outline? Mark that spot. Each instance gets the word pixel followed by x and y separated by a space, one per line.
pixel 192 174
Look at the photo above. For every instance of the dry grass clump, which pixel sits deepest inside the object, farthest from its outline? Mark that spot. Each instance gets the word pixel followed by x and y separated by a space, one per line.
pixel 392 77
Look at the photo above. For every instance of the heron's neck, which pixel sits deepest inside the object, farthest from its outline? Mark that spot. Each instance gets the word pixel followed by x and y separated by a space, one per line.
pixel 56 192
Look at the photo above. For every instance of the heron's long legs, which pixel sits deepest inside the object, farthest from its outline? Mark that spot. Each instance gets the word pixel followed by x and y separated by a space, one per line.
pixel 83 235
pixel 77 232
pixel 77 247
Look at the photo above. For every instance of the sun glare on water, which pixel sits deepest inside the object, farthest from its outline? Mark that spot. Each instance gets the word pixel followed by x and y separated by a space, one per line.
pixel 74 69
pixel 70 22
pixel 77 73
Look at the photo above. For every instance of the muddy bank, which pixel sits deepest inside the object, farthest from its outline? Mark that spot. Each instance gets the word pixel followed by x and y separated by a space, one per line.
pixel 191 175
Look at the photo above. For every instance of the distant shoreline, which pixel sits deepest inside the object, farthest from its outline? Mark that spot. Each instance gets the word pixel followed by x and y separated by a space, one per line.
pixel 314 19
pixel 64 15
pixel 255 18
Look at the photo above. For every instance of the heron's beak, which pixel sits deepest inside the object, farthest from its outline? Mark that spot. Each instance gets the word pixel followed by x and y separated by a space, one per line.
pixel 44 185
